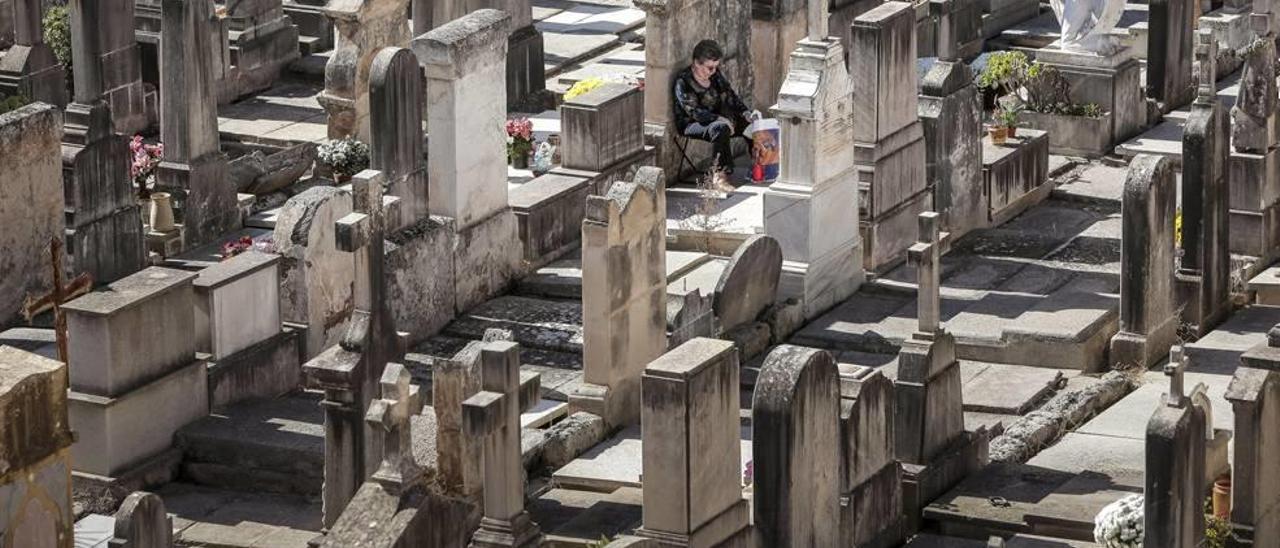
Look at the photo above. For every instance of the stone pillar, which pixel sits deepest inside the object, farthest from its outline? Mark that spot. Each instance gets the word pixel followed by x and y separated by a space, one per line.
pixel 396 140
pixel 1173 490
pixel 672 28
pixel 494 415
pixel 795 423
pixel 1204 275
pixel 1148 317
pixel 364 28
pixel 812 209
pixel 265 44
pixel 870 476
pixel 624 286
pixel 692 445
pixel 107 62
pixel 194 169
pixel 142 522
pixel 951 116
pixel 1170 44
pixel 1255 161
pixel 888 137
pixel 29 68
pixel 1254 394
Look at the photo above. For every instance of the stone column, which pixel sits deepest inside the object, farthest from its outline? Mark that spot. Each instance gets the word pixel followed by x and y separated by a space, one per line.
pixel 1203 276
pixel 812 209
pixel 1254 394
pixel 795 422
pixel 107 62
pixel 692 446
pixel 951 115
pixel 396 139
pixel 494 415
pixel 29 68
pixel 1169 51
pixel 1255 133
pixel 1173 491
pixel 194 169
pixel 1148 317
pixel 624 301
pixel 364 28
pixel 888 136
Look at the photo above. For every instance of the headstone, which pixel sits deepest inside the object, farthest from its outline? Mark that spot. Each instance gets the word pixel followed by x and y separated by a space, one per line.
pixel 453 380
pixel 107 63
pixel 316 277
pixel 265 42
pixel 6 24
pixel 494 416
pixel 1254 394
pixel 624 291
pixel 29 68
pixel 808 209
pixel 1170 44
pixel 350 372
pixel 888 136
pixel 193 170
pixel 794 453
pixel 691 445
pixel 951 116
pixel 34 459
pixel 1204 274
pixel 749 283
pixel 672 28
pixel 1148 317
pixel 525 69
pixel 1173 492
pixel 396 145
pixel 32 205
pixel 141 522
pixel 391 414
pixel 365 27
pixel 1255 161
pixel 870 476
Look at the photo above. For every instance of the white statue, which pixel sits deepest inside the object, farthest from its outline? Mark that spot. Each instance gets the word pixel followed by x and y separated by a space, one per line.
pixel 1087 24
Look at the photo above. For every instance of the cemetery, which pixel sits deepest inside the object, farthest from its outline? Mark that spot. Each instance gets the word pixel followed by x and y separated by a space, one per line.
pixel 447 274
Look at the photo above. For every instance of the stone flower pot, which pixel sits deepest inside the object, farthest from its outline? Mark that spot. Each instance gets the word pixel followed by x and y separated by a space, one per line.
pixel 161 212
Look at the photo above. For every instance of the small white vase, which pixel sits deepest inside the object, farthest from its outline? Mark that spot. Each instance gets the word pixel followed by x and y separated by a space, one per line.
pixel 161 212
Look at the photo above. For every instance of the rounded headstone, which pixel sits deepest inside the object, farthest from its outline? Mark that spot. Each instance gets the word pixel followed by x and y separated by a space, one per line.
pixel 749 283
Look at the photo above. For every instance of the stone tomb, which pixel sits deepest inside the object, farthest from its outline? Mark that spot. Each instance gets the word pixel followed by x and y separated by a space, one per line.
pixel 1148 317
pixel 870 475
pixel 29 68
pixel 1111 81
pixel 364 27
pixel 1254 394
pixel 1174 489
pixel 316 277
pixel 397 147
pixel 1254 164
pixel 1170 82
pixel 108 67
pixel 32 206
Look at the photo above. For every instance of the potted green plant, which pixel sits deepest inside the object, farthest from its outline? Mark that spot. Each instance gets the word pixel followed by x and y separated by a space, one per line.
pixel 1008 117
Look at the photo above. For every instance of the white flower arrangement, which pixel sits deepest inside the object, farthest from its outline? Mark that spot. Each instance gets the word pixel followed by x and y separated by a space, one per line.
pixel 346 157
pixel 1119 524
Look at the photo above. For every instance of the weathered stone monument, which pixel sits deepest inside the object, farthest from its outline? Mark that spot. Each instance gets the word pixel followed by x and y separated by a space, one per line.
pixel 193 170
pixel 1255 134
pixel 35 466
pixel 526 73
pixel 951 116
pixel 795 418
pixel 396 142
pixel 888 136
pixel 1148 317
pixel 29 68
pixel 1170 46
pixel 1254 394
pixel 870 475
pixel 142 522
pixel 691 431
pixel 453 381
pixel 812 208
pixel 749 283
pixel 1174 493
pixel 494 415
pixel 264 42
pixel 107 65
pixel 1203 276
pixel 32 205
pixel 316 277
pixel 364 28
pixel 624 292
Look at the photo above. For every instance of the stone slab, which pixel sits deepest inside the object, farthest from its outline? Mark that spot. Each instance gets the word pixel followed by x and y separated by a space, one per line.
pixel 543 413
pixel 94 531
pixel 1022 486
pixel 1009 389
pixel 1219 351
pixel 1073 506
pixel 703 278
pixel 615 513
pixel 617 463
pixel 213 517
pixel 588 19
pixel 1077 452
pixel 535 323
pixel 561 49
pixel 1095 183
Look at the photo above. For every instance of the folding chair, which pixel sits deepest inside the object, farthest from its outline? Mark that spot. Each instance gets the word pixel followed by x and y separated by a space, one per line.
pixel 682 142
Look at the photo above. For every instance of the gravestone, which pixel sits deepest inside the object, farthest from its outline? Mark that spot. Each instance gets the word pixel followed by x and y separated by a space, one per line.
pixel 390 416
pixel 1148 317
pixel 1254 394
pixel 749 283
pixel 494 416
pixel 1170 44
pixel 807 210
pixel 525 69
pixel 691 446
pixel 624 292
pixel 1204 274
pixel 453 380
pixel 142 522
pixel 888 136
pixel 107 63
pixel 365 27
pixel 32 206
pixel 672 28
pixel 795 416
pixel 29 68
pixel 396 141
pixel 193 170
pixel 870 476
pixel 265 42
pixel 34 459
pixel 350 372
pixel 1173 487
pixel 951 117
pixel 316 276
pixel 1255 134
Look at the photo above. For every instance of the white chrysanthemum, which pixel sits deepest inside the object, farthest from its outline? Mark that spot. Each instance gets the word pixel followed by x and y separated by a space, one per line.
pixel 1119 524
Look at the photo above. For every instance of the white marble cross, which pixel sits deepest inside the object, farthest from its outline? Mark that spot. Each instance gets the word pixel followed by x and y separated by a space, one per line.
pixel 926 256
pixel 392 412
pixel 1175 369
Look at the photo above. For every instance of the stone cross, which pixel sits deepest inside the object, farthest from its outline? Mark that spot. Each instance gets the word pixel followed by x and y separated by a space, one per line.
pixel 1206 52
pixel 926 256
pixel 816 12
pixel 57 296
pixel 392 412
pixel 1175 370
pixel 946 39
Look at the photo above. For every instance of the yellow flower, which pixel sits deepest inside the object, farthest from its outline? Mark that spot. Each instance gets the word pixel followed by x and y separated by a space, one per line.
pixel 583 86
pixel 1177 228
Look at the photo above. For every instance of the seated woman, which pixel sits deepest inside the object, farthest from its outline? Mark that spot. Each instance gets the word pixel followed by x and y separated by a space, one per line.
pixel 707 109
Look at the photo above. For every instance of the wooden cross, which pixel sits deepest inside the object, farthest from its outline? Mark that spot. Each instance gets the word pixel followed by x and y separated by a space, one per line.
pixel 57 296
pixel 1175 369
pixel 494 416
pixel 926 256
pixel 400 401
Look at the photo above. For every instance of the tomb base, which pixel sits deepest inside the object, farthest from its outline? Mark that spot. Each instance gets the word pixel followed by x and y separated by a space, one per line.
pixel 924 483
pixel 1002 14
pixel 1110 81
pixel 110 248
pixel 617 405
pixel 520 532
pixel 725 530
pixel 886 238
pixel 1200 312
pixel 267 369
pixel 526 74
pixel 1255 196
pixel 928 396
pixel 103 494
pixel 871 514
pixel 824 266
pixel 486 257
pixel 204 199
pixel 1143 350
pixel 420 286
pixel 314 28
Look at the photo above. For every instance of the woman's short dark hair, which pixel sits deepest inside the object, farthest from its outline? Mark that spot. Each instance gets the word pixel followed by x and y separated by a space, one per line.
pixel 707 50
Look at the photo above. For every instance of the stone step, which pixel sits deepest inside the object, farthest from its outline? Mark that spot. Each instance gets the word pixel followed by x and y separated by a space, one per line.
pixel 535 323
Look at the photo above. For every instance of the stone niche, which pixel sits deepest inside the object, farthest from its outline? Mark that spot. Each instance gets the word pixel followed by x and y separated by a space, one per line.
pixel 31 204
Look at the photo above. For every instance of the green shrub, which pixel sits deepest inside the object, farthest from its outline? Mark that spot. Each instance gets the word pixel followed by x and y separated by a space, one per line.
pixel 57 33
pixel 1004 72
pixel 13 102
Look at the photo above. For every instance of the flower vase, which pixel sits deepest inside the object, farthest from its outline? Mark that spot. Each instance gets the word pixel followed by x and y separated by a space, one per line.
pixel 161 212
pixel 520 161
pixel 1222 497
